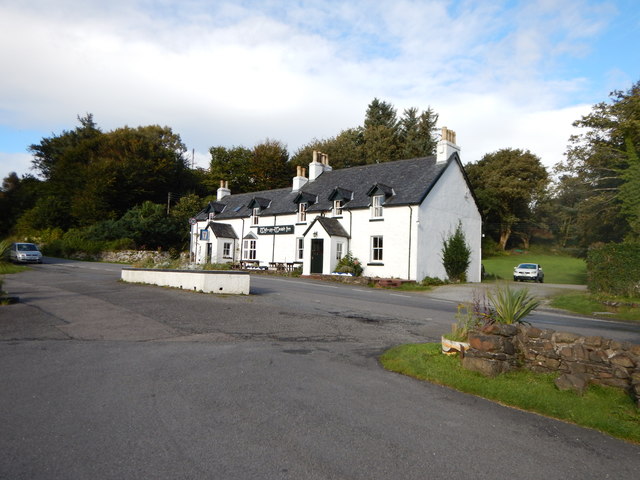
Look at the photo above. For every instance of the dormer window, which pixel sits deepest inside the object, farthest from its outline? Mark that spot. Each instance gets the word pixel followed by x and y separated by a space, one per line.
pixel 254 215
pixel 337 208
pixel 302 212
pixel 212 215
pixel 376 206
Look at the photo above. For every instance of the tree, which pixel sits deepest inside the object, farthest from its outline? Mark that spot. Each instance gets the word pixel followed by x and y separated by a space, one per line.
pixel 232 165
pixel 604 158
pixel 269 167
pixel 91 175
pixel 456 255
pixel 508 185
pixel 417 133
pixel 380 132
pixel 16 196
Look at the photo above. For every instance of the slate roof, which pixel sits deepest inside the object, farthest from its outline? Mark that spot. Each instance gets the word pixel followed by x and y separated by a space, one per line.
pixel 404 182
pixel 222 230
pixel 331 225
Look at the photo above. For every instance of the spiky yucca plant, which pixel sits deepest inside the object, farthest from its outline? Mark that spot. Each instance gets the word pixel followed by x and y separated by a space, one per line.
pixel 512 306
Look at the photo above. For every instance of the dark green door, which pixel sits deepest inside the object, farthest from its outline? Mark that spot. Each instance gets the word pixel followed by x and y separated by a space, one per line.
pixel 317 250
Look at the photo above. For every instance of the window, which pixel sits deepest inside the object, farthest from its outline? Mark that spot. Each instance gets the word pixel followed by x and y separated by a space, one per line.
pixel 226 250
pixel 337 207
pixel 302 212
pixel 204 234
pixel 254 216
pixel 376 249
pixel 249 250
pixel 212 215
pixel 299 248
pixel 339 251
pixel 376 206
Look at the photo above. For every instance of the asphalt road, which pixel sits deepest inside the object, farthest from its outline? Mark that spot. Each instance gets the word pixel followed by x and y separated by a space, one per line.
pixel 102 380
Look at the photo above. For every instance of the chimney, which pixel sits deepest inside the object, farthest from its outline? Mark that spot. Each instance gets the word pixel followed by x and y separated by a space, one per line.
pixel 300 179
pixel 319 164
pixel 447 145
pixel 223 191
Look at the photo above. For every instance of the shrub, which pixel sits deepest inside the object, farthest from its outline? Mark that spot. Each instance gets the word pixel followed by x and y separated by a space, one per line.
pixel 511 306
pixel 471 316
pixel 456 255
pixel 433 282
pixel 349 264
pixel 614 269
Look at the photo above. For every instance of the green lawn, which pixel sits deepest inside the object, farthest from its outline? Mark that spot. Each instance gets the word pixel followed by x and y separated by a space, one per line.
pixel 607 409
pixel 557 268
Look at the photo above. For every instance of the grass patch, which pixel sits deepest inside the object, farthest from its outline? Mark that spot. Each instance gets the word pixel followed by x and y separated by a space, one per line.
pixel 557 268
pixel 588 304
pixel 606 409
pixel 8 268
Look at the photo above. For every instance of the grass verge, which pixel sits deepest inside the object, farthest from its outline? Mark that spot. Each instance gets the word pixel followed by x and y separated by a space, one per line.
pixel 7 268
pixel 590 304
pixel 606 409
pixel 557 268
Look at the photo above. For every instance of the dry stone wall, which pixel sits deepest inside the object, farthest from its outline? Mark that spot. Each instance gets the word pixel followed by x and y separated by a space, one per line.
pixel 579 360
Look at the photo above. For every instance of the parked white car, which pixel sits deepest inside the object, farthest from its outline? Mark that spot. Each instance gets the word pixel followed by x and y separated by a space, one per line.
pixel 528 271
pixel 25 253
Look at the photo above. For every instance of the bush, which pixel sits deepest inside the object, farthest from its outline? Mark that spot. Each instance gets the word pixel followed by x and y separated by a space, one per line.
pixel 614 269
pixel 433 282
pixel 456 255
pixel 349 264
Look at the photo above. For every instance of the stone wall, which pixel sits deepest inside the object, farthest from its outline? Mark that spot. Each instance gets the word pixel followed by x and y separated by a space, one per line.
pixel 578 360
pixel 127 256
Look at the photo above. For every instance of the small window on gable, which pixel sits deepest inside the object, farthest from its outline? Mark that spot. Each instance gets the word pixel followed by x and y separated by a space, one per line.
pixel 249 249
pixel 339 250
pixel 302 212
pixel 376 206
pixel 337 207
pixel 212 215
pixel 226 249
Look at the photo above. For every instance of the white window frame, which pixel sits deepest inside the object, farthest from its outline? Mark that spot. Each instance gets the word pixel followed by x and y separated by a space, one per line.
pixel 377 250
pixel 339 250
pixel 249 249
pixel 376 206
pixel 254 215
pixel 300 248
pixel 302 212
pixel 337 208
pixel 226 250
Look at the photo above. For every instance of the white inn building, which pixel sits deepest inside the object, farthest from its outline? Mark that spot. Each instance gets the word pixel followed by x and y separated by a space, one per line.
pixel 392 216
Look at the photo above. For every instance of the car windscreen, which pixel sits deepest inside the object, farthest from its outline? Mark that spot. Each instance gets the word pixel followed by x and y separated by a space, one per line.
pixel 27 247
pixel 527 265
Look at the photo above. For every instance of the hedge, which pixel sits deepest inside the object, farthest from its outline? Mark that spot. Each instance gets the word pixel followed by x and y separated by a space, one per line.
pixel 614 268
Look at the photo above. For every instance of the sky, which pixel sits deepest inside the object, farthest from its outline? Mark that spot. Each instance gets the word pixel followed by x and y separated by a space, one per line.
pixel 500 73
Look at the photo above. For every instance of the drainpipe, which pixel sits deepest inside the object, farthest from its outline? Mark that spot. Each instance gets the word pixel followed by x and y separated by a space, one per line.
pixel 241 238
pixel 350 228
pixel 410 227
pixel 273 244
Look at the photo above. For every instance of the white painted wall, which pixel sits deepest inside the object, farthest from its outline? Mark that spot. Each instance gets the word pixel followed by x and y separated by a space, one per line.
pixel 208 282
pixel 450 201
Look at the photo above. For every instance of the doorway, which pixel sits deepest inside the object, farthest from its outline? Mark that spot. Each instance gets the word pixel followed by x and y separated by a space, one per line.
pixel 317 258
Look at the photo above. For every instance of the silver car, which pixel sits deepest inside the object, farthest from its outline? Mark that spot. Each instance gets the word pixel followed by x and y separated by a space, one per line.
pixel 528 271
pixel 25 253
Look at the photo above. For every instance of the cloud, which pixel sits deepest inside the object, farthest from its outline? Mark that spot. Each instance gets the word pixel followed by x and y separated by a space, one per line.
pixel 235 73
